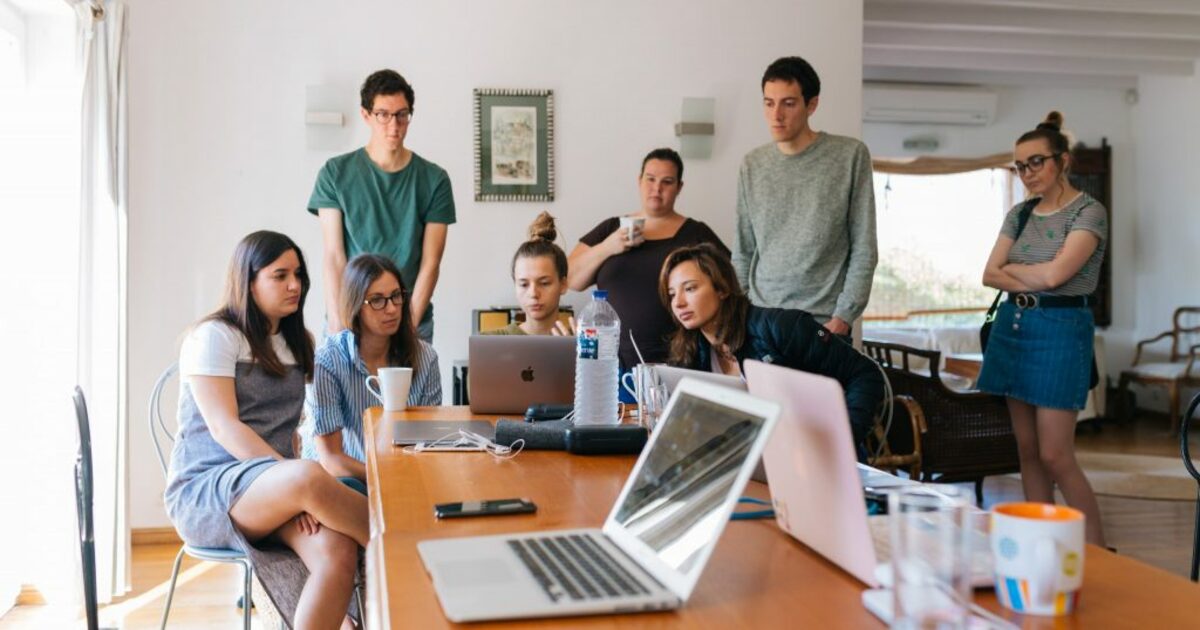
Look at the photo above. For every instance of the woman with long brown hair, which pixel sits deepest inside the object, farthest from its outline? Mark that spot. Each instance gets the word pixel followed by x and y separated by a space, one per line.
pixel 234 481
pixel 1039 352
pixel 381 333
pixel 718 329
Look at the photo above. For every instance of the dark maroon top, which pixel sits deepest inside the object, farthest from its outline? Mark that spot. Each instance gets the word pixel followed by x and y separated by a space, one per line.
pixel 631 280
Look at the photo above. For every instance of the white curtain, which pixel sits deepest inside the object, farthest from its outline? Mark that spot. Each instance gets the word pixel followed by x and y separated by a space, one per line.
pixel 102 344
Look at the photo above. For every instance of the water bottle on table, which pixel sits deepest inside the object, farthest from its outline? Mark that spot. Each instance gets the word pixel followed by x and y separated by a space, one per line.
pixel 598 336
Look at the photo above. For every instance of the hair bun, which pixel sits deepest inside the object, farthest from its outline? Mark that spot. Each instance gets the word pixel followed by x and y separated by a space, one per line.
pixel 542 228
pixel 1053 121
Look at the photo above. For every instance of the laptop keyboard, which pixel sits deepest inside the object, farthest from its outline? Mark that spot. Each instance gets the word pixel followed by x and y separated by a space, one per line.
pixel 574 566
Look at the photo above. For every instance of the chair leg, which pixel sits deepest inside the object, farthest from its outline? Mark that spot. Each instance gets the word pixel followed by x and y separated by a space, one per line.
pixel 171 588
pixel 248 578
pixel 362 608
pixel 1196 543
pixel 1126 409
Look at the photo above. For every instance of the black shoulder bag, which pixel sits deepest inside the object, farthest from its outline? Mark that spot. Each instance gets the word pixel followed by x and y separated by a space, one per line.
pixel 986 330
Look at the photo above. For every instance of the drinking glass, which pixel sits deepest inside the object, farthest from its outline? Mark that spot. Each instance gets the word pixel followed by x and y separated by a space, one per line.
pixel 930 557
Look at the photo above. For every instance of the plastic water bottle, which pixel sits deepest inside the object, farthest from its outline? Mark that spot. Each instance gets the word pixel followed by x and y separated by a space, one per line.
pixel 597 338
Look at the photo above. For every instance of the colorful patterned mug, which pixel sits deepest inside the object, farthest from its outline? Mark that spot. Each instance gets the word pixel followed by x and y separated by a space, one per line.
pixel 1038 548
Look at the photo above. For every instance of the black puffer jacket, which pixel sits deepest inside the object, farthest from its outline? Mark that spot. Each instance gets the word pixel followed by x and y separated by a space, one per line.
pixel 792 338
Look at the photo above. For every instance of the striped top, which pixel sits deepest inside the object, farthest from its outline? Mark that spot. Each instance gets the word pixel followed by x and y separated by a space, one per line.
pixel 338 395
pixel 1044 236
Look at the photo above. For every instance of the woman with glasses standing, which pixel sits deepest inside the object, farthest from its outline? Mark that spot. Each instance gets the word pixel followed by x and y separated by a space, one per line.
pixel 1039 353
pixel 380 334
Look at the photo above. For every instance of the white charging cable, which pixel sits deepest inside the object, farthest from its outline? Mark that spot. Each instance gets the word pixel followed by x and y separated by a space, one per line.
pixel 463 440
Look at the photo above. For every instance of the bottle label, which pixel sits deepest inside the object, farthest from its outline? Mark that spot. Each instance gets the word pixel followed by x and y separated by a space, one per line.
pixel 588 343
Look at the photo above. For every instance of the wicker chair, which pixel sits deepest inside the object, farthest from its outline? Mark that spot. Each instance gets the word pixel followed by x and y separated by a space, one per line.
pixel 942 435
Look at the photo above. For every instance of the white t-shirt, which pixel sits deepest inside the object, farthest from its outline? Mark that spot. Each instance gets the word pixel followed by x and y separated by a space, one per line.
pixel 215 348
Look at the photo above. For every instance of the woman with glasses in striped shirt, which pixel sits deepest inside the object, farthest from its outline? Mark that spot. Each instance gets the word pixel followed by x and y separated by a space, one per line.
pixel 380 334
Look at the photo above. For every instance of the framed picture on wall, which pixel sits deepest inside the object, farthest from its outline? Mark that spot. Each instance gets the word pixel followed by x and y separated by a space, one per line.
pixel 514 145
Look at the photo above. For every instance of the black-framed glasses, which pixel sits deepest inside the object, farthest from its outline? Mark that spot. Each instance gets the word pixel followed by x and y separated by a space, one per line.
pixel 1035 163
pixel 379 302
pixel 401 117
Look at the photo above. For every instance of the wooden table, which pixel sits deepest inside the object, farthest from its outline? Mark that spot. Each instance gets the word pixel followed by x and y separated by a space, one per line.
pixel 757 577
pixel 966 365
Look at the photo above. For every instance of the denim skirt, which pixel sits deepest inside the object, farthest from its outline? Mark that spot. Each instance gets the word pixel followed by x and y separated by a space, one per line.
pixel 1042 356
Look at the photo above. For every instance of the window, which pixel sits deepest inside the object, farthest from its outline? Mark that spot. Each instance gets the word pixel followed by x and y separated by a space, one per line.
pixel 935 233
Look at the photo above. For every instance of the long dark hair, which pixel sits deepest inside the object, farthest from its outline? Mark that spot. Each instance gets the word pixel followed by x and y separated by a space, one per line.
pixel 254 253
pixel 360 272
pixel 731 315
pixel 541 243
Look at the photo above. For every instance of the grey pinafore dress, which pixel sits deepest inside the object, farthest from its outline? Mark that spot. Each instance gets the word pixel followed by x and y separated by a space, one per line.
pixel 205 480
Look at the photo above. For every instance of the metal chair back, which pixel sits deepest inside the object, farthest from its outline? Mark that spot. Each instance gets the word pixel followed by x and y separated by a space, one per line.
pixel 159 433
pixel 83 508
pixel 1185 451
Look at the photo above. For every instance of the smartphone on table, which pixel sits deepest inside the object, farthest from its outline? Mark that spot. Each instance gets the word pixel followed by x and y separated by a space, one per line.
pixel 484 508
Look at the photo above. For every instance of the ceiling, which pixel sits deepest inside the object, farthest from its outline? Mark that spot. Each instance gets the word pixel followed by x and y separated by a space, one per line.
pixel 1072 43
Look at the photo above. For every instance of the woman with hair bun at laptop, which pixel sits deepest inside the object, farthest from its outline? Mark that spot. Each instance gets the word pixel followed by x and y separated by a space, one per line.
pixel 380 334
pixel 233 480
pixel 717 329
pixel 539 272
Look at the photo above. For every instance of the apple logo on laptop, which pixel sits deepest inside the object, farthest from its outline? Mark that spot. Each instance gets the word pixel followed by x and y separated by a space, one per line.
pixel 527 374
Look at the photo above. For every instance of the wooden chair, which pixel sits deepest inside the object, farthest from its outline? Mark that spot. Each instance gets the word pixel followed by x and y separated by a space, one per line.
pixel 942 435
pixel 1176 373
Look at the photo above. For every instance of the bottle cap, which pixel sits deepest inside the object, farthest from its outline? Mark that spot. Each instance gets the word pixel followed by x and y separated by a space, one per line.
pixel 600 294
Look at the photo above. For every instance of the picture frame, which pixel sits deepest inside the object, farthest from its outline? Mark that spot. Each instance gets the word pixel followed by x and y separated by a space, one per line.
pixel 514 144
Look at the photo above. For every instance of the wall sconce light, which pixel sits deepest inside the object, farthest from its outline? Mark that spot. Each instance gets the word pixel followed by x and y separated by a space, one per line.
pixel 696 130
pixel 326 110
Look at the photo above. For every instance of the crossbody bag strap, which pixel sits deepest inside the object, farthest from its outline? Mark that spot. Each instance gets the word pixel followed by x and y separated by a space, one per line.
pixel 1022 219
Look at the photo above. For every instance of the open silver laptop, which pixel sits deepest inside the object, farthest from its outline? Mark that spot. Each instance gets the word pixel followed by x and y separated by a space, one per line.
pixel 507 373
pixel 655 542
pixel 816 484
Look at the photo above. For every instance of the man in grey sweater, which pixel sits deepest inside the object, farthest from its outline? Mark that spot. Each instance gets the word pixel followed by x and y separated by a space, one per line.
pixel 806 209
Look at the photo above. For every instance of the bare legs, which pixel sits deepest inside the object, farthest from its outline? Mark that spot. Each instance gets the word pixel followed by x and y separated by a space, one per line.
pixel 1046 448
pixel 294 486
pixel 270 505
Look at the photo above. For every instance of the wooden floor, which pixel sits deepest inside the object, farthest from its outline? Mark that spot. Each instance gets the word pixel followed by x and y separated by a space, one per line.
pixel 1156 532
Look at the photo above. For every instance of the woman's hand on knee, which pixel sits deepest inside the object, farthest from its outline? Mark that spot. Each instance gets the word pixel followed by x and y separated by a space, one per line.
pixel 307 523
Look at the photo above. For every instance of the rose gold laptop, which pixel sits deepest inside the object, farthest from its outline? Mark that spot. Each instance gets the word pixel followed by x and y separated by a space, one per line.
pixel 811 467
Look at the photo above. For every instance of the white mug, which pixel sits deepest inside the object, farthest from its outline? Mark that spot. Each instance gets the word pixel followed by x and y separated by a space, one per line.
pixel 391 387
pixel 635 226
pixel 1038 549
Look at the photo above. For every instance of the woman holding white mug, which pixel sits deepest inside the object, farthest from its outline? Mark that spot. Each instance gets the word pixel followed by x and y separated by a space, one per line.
pixel 622 255
pixel 380 335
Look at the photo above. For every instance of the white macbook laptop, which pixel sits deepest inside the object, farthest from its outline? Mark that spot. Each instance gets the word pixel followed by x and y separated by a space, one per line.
pixel 507 373
pixel 653 546
pixel 816 485
pixel 670 376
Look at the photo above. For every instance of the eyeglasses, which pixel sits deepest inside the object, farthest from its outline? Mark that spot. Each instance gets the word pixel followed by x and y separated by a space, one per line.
pixel 379 302
pixel 1035 163
pixel 383 117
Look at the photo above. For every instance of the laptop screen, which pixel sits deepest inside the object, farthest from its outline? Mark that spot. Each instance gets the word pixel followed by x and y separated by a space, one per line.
pixel 674 503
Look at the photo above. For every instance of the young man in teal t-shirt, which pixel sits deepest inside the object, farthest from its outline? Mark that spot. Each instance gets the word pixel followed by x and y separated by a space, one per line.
pixel 384 199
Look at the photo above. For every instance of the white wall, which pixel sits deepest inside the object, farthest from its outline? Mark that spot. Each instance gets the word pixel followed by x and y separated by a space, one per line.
pixel 1166 123
pixel 1090 114
pixel 217 143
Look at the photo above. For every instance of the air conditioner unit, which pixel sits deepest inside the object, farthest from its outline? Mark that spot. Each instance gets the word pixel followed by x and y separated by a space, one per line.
pixel 933 105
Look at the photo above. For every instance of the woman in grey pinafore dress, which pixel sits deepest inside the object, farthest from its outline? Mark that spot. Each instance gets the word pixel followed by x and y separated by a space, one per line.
pixel 234 481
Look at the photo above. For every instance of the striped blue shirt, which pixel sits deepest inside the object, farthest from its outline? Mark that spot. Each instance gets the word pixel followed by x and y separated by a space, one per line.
pixel 338 395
